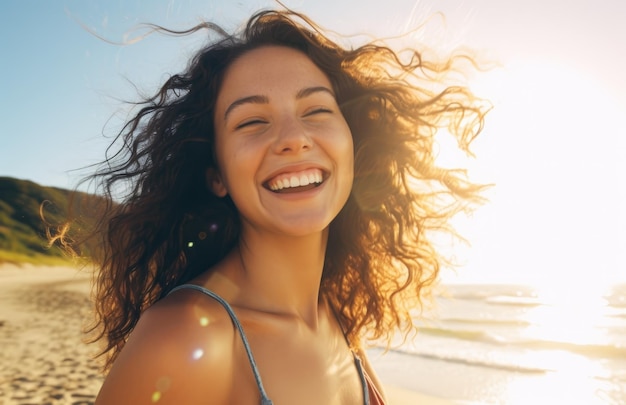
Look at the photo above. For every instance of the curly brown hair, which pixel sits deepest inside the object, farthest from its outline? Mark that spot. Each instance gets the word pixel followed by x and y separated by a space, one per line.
pixel 169 227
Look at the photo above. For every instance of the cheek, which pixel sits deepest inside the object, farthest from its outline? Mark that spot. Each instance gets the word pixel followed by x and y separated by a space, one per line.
pixel 348 149
pixel 224 158
pixel 238 164
pixel 344 157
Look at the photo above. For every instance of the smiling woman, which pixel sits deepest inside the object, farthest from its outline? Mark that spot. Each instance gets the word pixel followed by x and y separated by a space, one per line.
pixel 282 192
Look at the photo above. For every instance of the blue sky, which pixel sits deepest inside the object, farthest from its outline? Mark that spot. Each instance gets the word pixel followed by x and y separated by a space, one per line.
pixel 555 142
pixel 60 83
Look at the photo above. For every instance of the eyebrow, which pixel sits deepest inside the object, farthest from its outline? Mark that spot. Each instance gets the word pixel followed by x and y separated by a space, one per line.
pixel 307 91
pixel 259 99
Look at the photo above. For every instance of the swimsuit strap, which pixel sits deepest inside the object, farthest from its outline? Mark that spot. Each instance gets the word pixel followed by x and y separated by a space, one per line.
pixel 364 383
pixel 264 398
pixel 357 361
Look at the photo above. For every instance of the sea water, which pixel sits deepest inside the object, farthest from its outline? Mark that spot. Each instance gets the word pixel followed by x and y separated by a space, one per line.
pixel 503 344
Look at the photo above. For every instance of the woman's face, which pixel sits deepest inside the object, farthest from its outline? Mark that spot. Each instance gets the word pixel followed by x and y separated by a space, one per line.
pixel 284 150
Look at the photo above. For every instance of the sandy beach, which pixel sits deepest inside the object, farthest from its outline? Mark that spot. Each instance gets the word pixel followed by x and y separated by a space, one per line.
pixel 44 359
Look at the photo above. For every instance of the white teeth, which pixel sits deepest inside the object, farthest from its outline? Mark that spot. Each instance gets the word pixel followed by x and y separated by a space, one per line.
pixel 296 181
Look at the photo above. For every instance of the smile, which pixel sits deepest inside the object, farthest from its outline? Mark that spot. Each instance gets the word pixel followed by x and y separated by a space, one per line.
pixel 294 182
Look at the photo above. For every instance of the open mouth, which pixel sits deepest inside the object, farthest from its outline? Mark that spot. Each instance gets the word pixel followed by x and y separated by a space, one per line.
pixel 295 182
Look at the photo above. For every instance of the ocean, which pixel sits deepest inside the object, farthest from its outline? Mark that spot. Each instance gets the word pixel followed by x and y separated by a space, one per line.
pixel 512 344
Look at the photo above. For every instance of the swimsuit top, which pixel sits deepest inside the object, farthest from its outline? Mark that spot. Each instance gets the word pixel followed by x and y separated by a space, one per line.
pixel 370 393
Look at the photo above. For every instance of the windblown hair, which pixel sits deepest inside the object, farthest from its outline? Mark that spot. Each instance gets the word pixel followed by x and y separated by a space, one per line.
pixel 169 227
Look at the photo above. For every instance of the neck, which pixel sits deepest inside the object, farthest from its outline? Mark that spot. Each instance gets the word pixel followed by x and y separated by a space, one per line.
pixel 283 273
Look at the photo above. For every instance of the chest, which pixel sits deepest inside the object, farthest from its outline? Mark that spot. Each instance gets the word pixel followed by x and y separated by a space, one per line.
pixel 298 368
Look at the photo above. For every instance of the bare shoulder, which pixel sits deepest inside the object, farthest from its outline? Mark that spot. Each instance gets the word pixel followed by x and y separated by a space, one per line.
pixel 181 351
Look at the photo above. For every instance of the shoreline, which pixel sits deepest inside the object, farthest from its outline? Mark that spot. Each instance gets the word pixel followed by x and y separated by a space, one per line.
pixel 43 310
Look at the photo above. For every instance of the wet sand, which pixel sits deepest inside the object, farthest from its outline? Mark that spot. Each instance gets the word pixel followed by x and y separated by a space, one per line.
pixel 44 358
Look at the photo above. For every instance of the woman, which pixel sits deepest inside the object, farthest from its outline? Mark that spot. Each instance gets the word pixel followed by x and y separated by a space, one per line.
pixel 282 191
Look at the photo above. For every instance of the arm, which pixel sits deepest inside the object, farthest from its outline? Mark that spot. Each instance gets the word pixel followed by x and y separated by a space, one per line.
pixel 177 354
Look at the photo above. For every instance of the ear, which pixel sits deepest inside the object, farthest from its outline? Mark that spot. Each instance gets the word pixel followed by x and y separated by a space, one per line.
pixel 215 183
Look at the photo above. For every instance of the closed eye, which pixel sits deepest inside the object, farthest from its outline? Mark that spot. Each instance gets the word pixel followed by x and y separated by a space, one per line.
pixel 250 123
pixel 320 110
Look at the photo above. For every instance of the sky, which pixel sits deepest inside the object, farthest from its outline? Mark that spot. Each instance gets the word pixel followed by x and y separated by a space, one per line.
pixel 554 143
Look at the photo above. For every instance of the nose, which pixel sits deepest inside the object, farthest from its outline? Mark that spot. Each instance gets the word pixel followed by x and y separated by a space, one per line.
pixel 292 137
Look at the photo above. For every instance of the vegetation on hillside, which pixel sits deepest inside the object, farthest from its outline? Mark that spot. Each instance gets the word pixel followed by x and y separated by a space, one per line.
pixel 27 209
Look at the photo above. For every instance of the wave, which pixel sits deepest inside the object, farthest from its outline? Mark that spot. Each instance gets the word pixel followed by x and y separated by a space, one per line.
pixel 519 295
pixel 496 299
pixel 488 321
pixel 474 362
pixel 473 335
pixel 615 374
pixel 519 301
pixel 588 349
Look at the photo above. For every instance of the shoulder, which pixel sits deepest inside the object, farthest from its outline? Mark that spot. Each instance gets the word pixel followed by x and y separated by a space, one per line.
pixel 181 351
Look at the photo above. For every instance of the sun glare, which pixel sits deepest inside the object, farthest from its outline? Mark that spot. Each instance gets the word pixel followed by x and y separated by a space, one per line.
pixel 569 334
pixel 570 313
pixel 551 147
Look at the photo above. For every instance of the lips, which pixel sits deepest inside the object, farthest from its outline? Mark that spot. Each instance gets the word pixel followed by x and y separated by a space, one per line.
pixel 295 181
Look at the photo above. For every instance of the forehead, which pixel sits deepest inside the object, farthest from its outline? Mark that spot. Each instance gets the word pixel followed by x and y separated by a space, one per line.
pixel 269 69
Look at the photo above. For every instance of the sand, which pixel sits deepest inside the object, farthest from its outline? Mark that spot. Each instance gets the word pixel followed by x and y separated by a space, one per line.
pixel 43 356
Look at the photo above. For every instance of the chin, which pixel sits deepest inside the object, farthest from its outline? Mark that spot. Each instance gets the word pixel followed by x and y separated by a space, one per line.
pixel 302 228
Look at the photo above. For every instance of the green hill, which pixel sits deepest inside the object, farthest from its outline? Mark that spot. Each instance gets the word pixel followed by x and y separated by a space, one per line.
pixel 22 229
